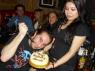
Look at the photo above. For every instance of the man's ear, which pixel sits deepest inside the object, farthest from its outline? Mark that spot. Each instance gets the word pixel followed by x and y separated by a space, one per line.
pixel 34 34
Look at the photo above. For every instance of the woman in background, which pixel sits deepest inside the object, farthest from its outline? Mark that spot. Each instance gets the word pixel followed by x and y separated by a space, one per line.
pixel 38 16
pixel 52 22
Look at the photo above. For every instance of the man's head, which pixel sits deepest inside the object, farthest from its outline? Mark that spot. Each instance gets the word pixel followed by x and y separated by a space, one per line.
pixel 41 39
pixel 20 9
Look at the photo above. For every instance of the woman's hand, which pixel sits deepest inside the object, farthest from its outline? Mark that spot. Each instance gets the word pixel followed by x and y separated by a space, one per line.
pixel 51 65
pixel 48 47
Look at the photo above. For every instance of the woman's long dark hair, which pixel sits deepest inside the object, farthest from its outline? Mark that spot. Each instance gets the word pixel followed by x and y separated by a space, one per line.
pixel 80 5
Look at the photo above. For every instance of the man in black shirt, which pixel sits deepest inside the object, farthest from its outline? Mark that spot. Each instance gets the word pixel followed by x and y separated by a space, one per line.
pixel 15 55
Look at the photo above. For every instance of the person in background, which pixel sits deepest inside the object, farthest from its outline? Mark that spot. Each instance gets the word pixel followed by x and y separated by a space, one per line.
pixel 20 17
pixel 0 19
pixel 38 16
pixel 15 55
pixel 52 22
pixel 0 24
pixel 69 37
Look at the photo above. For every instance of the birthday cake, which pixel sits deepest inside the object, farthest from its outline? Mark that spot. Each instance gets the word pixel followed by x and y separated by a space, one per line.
pixel 39 59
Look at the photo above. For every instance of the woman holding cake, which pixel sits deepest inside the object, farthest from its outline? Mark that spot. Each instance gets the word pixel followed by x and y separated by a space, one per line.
pixel 15 55
pixel 69 37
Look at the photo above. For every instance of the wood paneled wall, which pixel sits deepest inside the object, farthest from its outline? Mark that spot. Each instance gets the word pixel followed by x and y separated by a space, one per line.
pixel 29 4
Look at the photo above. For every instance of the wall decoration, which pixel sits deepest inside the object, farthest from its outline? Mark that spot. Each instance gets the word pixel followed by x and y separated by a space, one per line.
pixel 47 3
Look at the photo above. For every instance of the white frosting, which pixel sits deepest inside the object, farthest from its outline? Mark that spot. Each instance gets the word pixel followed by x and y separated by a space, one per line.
pixel 39 59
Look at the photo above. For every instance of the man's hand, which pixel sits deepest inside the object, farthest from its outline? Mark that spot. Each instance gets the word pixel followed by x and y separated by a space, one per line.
pixel 23 28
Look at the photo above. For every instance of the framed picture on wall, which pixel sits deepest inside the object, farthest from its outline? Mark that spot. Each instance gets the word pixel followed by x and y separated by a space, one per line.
pixel 47 3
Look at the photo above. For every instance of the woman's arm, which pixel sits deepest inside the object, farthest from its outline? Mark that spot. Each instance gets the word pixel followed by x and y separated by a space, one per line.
pixel 9 50
pixel 76 43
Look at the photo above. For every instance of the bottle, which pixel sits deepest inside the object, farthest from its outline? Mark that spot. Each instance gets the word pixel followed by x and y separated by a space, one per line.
pixel 83 59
